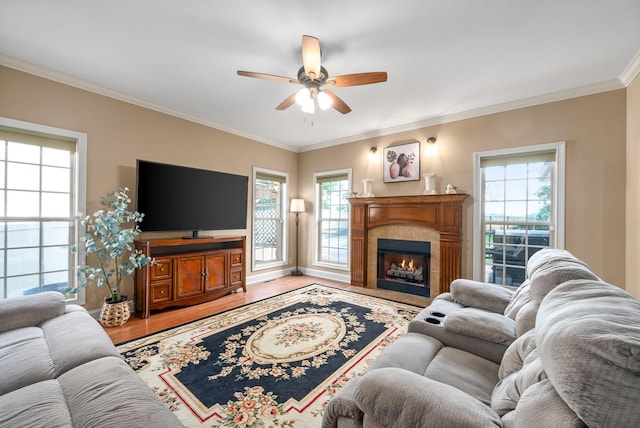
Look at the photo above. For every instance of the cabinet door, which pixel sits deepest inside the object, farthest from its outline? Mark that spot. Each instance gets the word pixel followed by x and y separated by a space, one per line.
pixel 190 276
pixel 216 268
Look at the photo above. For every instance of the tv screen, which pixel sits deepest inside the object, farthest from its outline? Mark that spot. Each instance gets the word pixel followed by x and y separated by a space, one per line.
pixel 178 198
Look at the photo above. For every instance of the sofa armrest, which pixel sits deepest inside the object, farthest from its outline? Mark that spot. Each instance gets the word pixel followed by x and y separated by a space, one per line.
pixel 481 295
pixel 343 406
pixel 398 398
pixel 28 311
pixel 481 324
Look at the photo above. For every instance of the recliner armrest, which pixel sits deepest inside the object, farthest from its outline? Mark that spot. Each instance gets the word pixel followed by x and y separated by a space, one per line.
pixel 399 398
pixel 482 295
pixel 29 311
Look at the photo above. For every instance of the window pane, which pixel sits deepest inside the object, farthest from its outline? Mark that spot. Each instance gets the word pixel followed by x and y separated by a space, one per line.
pixel 515 190
pixel 494 173
pixel 56 179
pixel 23 285
pixel 494 191
pixel 23 204
pixel 56 233
pixel 23 235
pixel 56 205
pixel 28 153
pixel 23 177
pixel 55 258
pixel 2 168
pixel 56 281
pixel 23 261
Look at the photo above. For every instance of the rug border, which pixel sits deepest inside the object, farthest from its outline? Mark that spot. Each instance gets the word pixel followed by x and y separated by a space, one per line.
pixel 257 301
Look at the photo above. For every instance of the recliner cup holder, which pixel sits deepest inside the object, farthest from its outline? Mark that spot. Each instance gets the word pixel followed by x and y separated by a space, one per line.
pixel 438 314
pixel 432 320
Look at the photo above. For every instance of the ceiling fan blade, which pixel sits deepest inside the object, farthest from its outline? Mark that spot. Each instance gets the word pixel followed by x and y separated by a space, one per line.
pixel 287 102
pixel 357 79
pixel 267 76
pixel 337 102
pixel 311 56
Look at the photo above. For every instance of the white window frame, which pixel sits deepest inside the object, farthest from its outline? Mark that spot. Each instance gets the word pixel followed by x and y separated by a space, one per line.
pixel 80 179
pixel 316 220
pixel 558 214
pixel 284 222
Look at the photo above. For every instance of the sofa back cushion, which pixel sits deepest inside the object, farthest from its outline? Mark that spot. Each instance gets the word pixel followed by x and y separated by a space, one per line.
pixel 550 275
pixel 588 338
pixel 29 311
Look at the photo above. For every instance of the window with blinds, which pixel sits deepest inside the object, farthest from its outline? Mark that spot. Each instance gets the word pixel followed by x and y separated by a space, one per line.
pixel 332 218
pixel 269 221
pixel 38 199
pixel 518 210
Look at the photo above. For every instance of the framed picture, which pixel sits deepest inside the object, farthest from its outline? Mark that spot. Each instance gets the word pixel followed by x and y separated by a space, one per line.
pixel 401 163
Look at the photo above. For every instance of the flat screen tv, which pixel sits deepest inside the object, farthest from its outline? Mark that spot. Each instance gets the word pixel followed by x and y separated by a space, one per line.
pixel 178 198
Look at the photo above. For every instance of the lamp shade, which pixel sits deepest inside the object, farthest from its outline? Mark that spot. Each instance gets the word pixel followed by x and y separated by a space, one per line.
pixel 297 205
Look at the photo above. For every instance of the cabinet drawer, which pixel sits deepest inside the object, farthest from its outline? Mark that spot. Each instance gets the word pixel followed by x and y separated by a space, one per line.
pixel 161 292
pixel 236 276
pixel 161 269
pixel 236 258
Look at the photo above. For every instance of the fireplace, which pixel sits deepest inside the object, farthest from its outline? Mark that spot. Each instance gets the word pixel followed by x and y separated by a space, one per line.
pixel 404 266
pixel 439 215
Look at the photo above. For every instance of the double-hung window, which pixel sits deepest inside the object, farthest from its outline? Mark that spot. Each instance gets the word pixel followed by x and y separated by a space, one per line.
pixel 269 221
pixel 519 209
pixel 39 197
pixel 332 218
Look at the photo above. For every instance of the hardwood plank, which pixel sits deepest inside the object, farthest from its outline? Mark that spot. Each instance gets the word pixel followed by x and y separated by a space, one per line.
pixel 164 319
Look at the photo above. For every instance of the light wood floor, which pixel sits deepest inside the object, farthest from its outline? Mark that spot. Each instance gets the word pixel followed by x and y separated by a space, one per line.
pixel 161 320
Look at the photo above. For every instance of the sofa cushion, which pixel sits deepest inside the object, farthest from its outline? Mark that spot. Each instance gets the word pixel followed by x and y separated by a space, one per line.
pixel 588 337
pixel 512 386
pixel 41 404
pixel 465 371
pixel 521 297
pixel 541 406
pixel 25 359
pixel 106 393
pixel 488 326
pixel 549 276
pixel 550 256
pixel 395 398
pixel 75 339
pixel 28 311
pixel 481 295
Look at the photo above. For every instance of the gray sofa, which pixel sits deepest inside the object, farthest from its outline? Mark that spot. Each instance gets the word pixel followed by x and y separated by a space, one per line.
pixel 561 351
pixel 58 368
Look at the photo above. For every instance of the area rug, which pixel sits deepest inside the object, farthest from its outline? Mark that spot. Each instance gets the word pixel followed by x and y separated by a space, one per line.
pixel 273 363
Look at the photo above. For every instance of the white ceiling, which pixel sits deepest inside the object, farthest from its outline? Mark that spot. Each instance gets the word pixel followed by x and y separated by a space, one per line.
pixel 445 59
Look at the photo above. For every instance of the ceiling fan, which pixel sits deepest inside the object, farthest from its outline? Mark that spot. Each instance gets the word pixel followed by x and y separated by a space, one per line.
pixel 313 76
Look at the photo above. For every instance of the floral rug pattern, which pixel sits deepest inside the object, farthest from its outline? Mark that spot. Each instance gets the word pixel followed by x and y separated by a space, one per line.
pixel 273 363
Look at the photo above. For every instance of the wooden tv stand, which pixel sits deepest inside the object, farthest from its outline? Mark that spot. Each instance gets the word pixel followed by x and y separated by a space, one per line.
pixel 188 271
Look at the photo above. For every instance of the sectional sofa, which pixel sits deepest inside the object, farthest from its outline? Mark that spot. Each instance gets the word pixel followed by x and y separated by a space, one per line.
pixel 58 368
pixel 563 350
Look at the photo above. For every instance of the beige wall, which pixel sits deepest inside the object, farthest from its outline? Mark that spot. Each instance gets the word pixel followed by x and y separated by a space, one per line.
pixel 595 133
pixel 119 133
pixel 633 188
pixel 594 128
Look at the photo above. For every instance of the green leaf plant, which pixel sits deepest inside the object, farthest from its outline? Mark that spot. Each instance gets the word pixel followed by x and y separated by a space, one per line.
pixel 109 245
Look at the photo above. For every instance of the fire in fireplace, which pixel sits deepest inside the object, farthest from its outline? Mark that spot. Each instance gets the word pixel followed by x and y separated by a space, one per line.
pixel 404 266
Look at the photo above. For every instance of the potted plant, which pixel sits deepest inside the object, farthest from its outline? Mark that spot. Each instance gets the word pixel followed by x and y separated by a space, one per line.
pixel 109 246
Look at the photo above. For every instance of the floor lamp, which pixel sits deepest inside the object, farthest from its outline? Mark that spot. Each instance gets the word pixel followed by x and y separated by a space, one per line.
pixel 297 206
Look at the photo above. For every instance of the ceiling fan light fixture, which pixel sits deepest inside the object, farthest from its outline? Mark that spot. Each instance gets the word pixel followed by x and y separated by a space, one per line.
pixel 303 96
pixel 324 100
pixel 309 106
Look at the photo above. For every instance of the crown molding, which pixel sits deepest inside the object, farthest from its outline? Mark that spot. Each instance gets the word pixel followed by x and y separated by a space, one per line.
pixel 484 111
pixel 101 90
pixel 631 71
pixel 627 76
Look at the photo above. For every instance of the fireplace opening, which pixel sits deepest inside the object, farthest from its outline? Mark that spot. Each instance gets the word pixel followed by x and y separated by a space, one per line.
pixel 404 266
